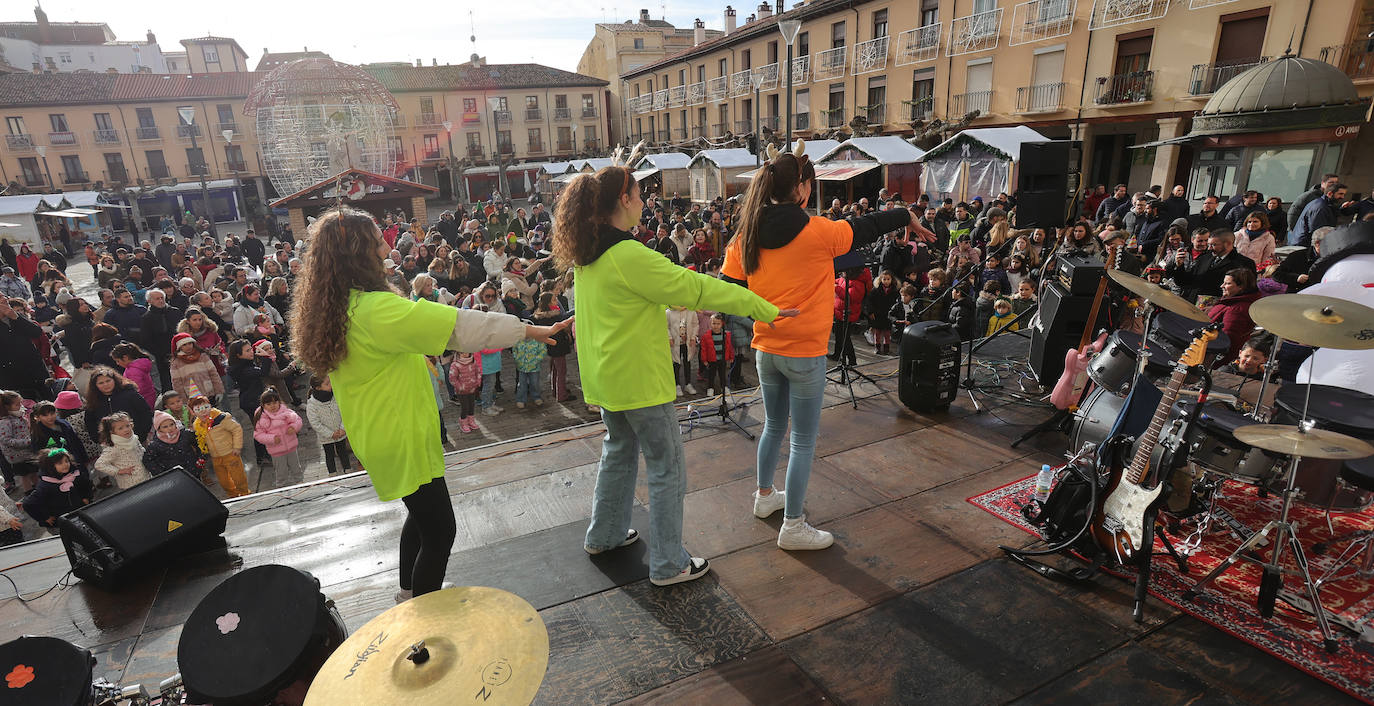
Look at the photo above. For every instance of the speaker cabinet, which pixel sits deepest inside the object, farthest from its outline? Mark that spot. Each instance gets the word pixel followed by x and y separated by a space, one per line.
pixel 928 376
pixel 140 528
pixel 1044 174
pixel 1058 328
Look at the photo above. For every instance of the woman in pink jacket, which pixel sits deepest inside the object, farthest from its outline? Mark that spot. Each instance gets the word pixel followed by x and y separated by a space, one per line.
pixel 138 368
pixel 276 426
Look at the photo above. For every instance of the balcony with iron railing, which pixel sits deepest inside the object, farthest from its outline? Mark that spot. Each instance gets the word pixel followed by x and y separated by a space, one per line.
pixel 117 176
pixel 34 180
pixel 501 116
pixel 1039 20
pixel 428 119
pixel 1040 98
pixel 76 177
pixel 919 109
pixel 829 64
pixel 1356 59
pixel 664 135
pixel 591 145
pixel 739 83
pixel 505 148
pixel 964 103
pixel 62 139
pixel 149 133
pixel 159 171
pixel 105 137
pixel 230 126
pixel 744 127
pixel 475 151
pixel 22 142
pixel 718 129
pixel 917 45
pixel 562 115
pixel 871 55
pixel 397 120
pixel 536 147
pixel 588 112
pixel 185 133
pixel 433 155
pixel 768 75
pixel 534 114
pixel 679 133
pixel 567 145
pixel 801 121
pixel 976 32
pixel 1207 78
pixel 198 169
pixel 660 99
pixel 875 114
pixel 698 131
pixel 1123 89
pixel 830 117
pixel 801 70
pixel 718 89
pixel 677 96
pixel 696 93
pixel 236 167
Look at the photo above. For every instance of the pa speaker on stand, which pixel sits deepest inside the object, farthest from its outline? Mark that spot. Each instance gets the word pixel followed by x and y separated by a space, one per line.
pixel 1047 181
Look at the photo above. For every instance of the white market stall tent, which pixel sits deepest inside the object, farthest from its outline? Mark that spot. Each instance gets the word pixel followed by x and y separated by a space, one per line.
pixel 20 213
pixel 667 172
pixel 714 173
pixel 975 162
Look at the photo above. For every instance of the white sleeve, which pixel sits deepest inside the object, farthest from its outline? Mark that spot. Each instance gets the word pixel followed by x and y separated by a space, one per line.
pixel 476 330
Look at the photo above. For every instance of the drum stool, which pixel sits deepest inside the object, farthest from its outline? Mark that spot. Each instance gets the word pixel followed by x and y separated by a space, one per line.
pixel 1358 473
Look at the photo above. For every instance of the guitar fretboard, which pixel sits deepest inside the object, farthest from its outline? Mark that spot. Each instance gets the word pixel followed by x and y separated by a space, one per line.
pixel 1141 462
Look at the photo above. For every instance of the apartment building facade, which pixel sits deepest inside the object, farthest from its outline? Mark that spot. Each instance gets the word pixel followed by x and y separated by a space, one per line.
pixel 1113 73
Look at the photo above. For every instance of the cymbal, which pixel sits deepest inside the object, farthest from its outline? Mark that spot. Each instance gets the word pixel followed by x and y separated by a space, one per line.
pixel 1315 320
pixel 1312 443
pixel 1158 296
pixel 450 646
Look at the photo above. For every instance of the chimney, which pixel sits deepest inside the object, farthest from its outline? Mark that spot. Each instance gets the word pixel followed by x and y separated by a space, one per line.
pixel 37 68
pixel 729 19
pixel 643 16
pixel 112 70
pixel 764 11
pixel 749 20
pixel 698 32
pixel 433 62
pixel 419 63
pixel 44 30
pixel 152 38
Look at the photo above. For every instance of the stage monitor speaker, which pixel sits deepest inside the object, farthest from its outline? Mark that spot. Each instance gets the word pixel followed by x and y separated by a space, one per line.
pixel 141 527
pixel 1058 328
pixel 1043 178
pixel 928 377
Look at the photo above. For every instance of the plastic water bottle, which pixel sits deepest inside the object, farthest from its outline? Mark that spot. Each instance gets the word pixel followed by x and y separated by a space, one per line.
pixel 1042 483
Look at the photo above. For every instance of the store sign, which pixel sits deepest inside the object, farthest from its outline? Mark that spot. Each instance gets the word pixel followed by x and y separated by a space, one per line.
pixel 1347 132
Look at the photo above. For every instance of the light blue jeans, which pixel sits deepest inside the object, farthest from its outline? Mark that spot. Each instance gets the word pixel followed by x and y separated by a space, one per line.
pixel 791 387
pixel 527 386
pixel 488 389
pixel 654 431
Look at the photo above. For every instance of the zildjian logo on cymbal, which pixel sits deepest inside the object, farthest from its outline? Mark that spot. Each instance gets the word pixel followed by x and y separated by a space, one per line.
pixel 372 648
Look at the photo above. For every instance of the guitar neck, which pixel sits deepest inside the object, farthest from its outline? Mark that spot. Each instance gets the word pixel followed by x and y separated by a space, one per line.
pixel 1141 462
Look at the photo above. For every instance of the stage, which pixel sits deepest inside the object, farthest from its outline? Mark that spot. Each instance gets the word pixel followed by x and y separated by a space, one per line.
pixel 913 604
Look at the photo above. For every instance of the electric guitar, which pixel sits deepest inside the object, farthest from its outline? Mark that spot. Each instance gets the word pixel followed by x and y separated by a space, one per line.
pixel 1069 390
pixel 1118 525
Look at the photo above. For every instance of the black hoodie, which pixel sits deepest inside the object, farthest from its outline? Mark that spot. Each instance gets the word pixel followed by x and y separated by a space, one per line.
pixel 779 224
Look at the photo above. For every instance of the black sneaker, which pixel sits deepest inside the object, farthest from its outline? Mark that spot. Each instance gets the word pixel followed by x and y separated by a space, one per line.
pixel 696 568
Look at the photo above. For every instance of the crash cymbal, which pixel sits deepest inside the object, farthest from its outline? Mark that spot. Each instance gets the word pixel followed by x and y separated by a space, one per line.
pixel 1315 320
pixel 1312 443
pixel 463 644
pixel 1158 296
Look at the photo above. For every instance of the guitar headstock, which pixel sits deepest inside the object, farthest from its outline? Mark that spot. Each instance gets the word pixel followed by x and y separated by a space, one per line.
pixel 1197 350
pixel 1111 256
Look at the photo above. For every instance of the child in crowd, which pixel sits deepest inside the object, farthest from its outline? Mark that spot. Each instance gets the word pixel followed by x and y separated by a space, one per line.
pixel 934 302
pixel 529 356
pixel 122 455
pixel 62 487
pixel 221 438
pixel 276 426
pixel 174 403
pixel 1017 272
pixel 71 409
pixel 717 353
pixel 993 272
pixel 173 446
pixel 1154 275
pixel 50 432
pixel 683 336
pixel 904 311
pixel 138 368
pixel 961 313
pixel 322 410
pixel 1024 298
pixel 193 367
pixel 491 367
pixel 16 442
pixel 436 383
pixel 880 301
pixel 266 355
pixel 466 376
pixel 983 309
pixel 1001 315
pixel 548 313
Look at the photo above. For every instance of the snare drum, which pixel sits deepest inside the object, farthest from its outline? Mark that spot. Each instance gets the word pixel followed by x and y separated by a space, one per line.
pixel 1094 420
pixel 1214 447
pixel 261 632
pixel 1337 409
pixel 46 670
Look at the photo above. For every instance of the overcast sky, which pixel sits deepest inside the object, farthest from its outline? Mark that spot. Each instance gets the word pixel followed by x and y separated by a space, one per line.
pixel 550 32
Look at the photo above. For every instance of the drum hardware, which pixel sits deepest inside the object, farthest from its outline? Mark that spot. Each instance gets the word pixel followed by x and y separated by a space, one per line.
pixel 1362 631
pixel 1271 365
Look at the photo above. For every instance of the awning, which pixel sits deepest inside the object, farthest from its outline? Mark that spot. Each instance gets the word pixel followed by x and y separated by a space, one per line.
pixel 643 174
pixel 1180 140
pixel 72 213
pixel 843 171
pixel 8 225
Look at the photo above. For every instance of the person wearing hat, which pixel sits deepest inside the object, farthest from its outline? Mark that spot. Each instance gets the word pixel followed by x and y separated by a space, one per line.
pixel 173 446
pixel 193 369
pixel 394 276
pixel 11 285
pixel 1125 260
pixel 984 225
pixel 220 436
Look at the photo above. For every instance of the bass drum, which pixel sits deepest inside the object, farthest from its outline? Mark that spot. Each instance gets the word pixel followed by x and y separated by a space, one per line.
pixel 1114 368
pixel 1094 420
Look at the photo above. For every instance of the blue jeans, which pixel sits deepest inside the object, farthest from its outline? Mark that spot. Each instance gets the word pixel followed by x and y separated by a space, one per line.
pixel 527 386
pixel 488 389
pixel 654 431
pixel 791 387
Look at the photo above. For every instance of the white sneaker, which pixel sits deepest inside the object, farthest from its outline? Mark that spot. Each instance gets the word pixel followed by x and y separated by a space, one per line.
pixel 406 594
pixel 679 390
pixel 491 411
pixel 765 505
pixel 797 535
pixel 519 405
pixel 690 390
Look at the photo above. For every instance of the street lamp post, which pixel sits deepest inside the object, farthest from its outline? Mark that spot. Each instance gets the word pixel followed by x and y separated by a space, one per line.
pixel 452 179
pixel 789 29
pixel 188 118
pixel 757 80
pixel 233 168
pixel 43 152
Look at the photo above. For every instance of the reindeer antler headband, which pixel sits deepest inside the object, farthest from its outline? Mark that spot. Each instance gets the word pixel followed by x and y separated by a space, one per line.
pixel 798 151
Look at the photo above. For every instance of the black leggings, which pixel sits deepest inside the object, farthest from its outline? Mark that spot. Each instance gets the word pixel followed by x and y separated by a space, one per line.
pixel 427 537
pixel 337 450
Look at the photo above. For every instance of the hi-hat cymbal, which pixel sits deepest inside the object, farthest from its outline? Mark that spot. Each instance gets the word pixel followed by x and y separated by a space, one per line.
pixel 1315 320
pixel 1312 443
pixel 1158 296
pixel 463 644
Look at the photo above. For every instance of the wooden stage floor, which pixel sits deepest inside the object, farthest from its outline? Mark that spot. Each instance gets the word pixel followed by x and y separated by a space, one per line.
pixel 913 604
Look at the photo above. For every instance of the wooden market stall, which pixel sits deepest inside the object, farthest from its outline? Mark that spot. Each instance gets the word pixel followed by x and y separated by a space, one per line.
pixel 664 174
pixel 976 162
pixel 860 166
pixel 715 173
pixel 360 189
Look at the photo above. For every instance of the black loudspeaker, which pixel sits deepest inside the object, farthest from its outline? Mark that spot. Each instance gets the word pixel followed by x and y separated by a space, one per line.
pixel 1059 327
pixel 143 526
pixel 1044 174
pixel 929 369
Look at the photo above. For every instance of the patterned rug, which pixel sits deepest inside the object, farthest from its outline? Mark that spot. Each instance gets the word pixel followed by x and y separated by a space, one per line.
pixel 1229 603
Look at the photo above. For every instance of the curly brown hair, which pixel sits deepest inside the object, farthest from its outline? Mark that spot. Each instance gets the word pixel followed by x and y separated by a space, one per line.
pixel 589 201
pixel 343 258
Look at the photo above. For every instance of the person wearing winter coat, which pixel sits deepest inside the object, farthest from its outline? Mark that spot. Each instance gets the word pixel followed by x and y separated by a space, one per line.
pixel 49 431
pixel 138 368
pixel 684 328
pixel 983 307
pixel 1232 310
pixel 250 303
pixel 717 354
pixel 122 455
pixel 277 427
pixel 16 441
pixel 159 325
pixel 903 311
pixel 881 299
pixel 71 409
pixel 104 338
pixel 173 446
pixel 61 488
pixel 851 288
pixel 220 437
pixel 109 392
pixel 465 374
pixel 193 369
pixel 961 314
pixel 322 411
pixel 126 316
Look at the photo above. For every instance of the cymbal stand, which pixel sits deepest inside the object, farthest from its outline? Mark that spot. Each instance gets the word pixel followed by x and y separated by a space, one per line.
pixel 1270 365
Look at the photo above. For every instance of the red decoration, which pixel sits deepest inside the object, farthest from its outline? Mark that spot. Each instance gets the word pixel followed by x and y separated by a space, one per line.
pixel 19 677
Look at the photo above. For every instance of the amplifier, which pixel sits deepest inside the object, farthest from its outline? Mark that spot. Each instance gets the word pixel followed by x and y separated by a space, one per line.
pixel 928 377
pixel 1079 273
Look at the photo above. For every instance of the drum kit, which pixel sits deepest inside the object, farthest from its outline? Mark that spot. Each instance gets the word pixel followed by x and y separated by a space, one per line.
pixel 267 637
pixel 1299 447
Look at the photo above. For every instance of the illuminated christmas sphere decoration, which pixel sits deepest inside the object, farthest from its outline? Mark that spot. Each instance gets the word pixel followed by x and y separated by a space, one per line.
pixel 317 117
